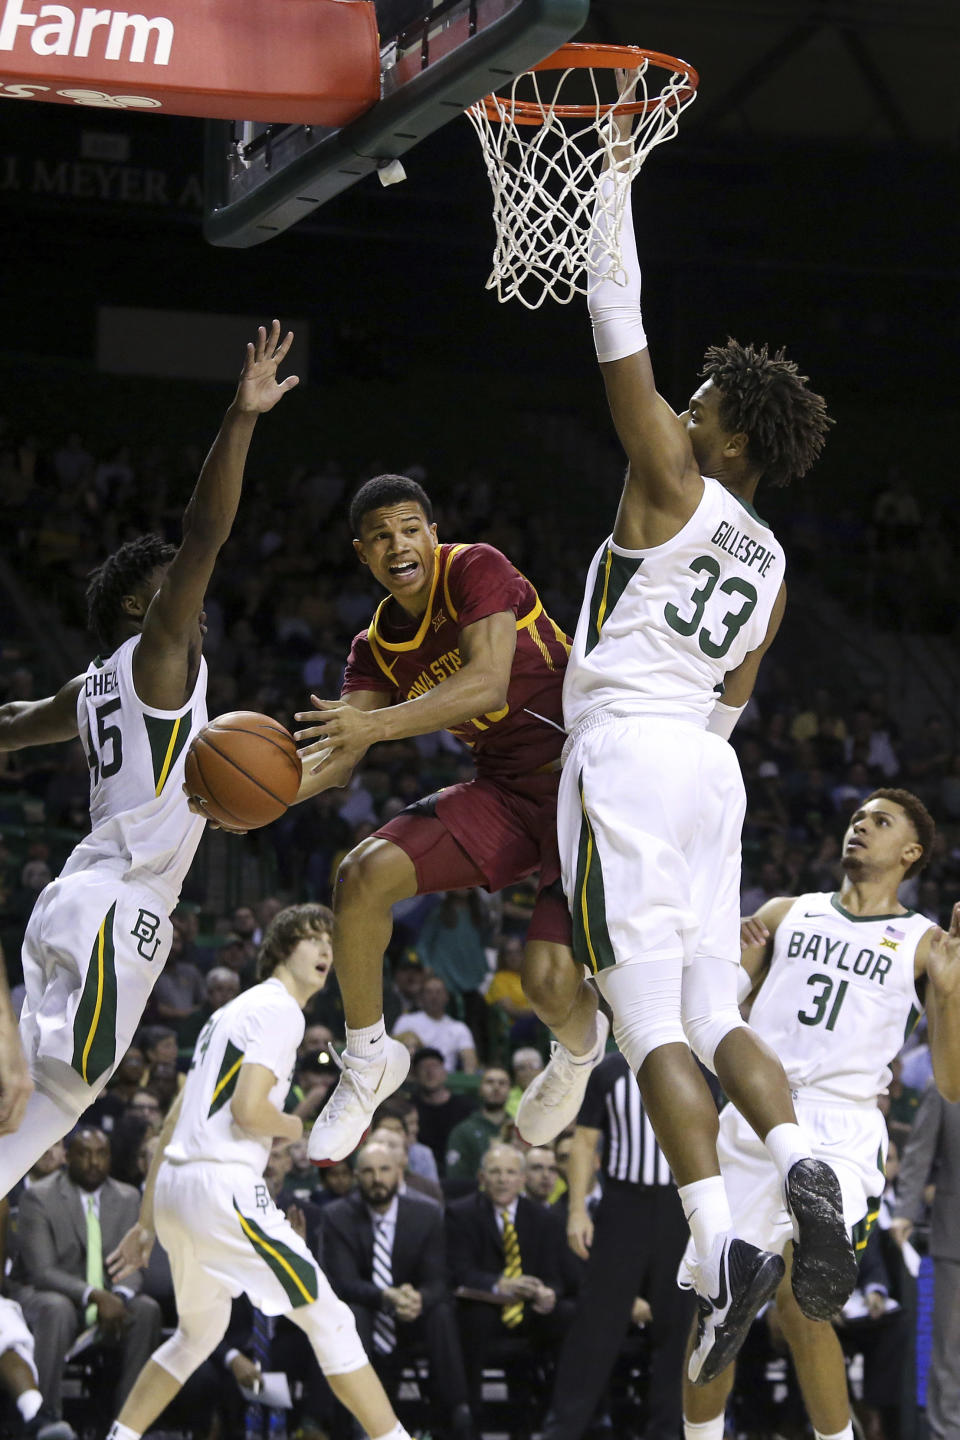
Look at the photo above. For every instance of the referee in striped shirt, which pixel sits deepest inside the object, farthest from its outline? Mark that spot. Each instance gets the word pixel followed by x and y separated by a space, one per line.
pixel 632 1246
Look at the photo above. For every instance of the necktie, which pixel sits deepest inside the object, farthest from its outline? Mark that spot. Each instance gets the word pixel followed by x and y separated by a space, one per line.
pixel 511 1315
pixel 94 1257
pixel 384 1325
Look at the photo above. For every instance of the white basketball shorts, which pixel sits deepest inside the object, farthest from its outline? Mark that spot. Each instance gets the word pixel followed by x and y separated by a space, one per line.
pixel 851 1138
pixel 649 817
pixel 15 1334
pixel 93 949
pixel 224 1235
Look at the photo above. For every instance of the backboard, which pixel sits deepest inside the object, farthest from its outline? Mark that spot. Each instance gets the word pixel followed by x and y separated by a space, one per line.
pixel 260 179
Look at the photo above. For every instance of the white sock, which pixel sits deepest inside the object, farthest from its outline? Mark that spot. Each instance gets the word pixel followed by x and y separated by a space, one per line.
pixel 368 1043
pixel 707 1210
pixel 705 1429
pixel 787 1144
pixel 845 1434
pixel 397 1433
pixel 122 1432
pixel 28 1404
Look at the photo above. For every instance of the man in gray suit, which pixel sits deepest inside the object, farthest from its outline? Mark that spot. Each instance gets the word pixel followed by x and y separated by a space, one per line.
pixel 932 1153
pixel 67 1224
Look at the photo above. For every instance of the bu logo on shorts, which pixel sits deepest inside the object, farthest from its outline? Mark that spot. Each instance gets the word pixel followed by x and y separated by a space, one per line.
pixel 144 931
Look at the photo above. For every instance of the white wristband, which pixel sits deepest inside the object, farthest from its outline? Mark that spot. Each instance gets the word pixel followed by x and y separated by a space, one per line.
pixel 615 307
pixel 723 719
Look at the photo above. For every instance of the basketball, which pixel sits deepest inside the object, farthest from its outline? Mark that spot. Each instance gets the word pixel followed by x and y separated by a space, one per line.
pixel 245 769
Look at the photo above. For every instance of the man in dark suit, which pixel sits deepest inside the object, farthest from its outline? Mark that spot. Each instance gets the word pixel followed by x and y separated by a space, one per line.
pixel 67 1224
pixel 507 1249
pixel 385 1255
pixel 933 1153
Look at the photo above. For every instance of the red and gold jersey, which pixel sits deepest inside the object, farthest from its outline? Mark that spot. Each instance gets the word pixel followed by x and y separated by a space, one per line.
pixel 404 658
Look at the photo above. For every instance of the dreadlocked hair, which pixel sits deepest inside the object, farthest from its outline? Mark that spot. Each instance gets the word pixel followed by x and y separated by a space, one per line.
pixel 120 574
pixel 767 398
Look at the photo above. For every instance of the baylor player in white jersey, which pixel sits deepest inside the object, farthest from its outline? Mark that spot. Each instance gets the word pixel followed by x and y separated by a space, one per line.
pixel 682 601
pixel 206 1200
pixel 100 933
pixel 838 982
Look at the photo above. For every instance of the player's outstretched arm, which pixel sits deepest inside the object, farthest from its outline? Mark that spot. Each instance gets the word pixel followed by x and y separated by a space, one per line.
pixel 170 630
pixel 663 484
pixel 478 689
pixel 939 951
pixel 41 722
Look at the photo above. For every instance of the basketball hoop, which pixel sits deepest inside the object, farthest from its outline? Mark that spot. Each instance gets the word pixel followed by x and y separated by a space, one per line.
pixel 545 154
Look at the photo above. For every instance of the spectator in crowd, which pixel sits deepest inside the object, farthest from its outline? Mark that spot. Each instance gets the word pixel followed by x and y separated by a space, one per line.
pixel 438 1107
pixel 420 1158
pixel 933 1149
pixel 405 994
pixel 391 1132
pixel 68 1223
pixel 471 1138
pixel 452 944
pixel 179 992
pixel 240 956
pixel 505 994
pixel 386 1256
pixel 220 986
pixel 336 1180
pixel 123 1084
pixel 164 1083
pixel 438 1030
pixel 506 1251
pixel 525 1064
pixel 158 1042
pixel 540 1175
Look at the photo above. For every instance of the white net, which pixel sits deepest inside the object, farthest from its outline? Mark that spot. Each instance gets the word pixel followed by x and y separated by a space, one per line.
pixel 544 165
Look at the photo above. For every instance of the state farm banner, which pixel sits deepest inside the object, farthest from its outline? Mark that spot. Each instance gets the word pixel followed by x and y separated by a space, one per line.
pixel 311 62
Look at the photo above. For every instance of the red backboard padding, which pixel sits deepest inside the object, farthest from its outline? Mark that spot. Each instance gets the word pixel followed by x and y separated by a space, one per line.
pixel 312 62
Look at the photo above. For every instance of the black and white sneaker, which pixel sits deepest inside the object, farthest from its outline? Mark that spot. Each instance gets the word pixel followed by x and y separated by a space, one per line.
pixel 730 1291
pixel 824 1261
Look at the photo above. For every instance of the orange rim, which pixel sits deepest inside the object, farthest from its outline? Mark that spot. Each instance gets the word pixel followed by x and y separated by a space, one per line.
pixel 595 57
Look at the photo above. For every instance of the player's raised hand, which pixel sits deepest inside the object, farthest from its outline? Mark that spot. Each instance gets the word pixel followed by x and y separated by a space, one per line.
pixel 16 1085
pixel 943 958
pixel 131 1254
pixel 259 390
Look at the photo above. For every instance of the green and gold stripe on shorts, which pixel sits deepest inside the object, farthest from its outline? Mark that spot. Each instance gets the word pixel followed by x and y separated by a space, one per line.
pixel 862 1229
pixel 95 1023
pixel 614 574
pixel 226 1079
pixel 167 738
pixel 297 1275
pixel 591 939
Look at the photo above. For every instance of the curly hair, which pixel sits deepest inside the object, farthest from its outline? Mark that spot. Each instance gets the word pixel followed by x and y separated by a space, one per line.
pixel 767 398
pixel 387 490
pixel 285 931
pixel 120 574
pixel 919 817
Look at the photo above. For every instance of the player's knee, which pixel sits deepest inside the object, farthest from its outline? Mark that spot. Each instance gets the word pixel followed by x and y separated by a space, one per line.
pixel 197 1335
pixel 332 1333
pixel 704 1033
pixel 645 999
pixel 367 875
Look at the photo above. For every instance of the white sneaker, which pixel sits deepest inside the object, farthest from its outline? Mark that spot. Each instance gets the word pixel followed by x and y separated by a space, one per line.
pixel 741 1279
pixel 345 1119
pixel 552 1101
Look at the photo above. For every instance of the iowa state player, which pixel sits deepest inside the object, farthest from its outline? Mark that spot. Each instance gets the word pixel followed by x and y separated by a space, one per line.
pixel 461 643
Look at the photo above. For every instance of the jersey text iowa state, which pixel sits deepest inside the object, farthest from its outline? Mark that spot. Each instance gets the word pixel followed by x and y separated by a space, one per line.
pixel 440 669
